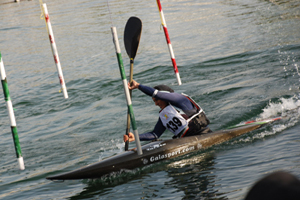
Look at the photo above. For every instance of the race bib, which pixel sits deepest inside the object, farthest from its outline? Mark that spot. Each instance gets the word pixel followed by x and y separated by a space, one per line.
pixel 172 120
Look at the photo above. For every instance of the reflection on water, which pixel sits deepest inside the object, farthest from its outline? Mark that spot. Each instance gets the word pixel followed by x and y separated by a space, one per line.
pixel 191 174
pixel 194 176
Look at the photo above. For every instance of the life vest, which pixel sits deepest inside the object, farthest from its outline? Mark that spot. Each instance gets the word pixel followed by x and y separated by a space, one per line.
pixel 199 109
pixel 174 121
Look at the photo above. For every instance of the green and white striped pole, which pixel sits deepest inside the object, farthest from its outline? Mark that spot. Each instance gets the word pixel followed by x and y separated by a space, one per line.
pixel 11 115
pixel 126 90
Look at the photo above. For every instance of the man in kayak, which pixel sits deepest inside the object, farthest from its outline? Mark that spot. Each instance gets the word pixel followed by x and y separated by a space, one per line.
pixel 179 113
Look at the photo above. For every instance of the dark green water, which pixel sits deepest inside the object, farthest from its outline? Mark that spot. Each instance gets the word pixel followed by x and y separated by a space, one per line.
pixel 239 59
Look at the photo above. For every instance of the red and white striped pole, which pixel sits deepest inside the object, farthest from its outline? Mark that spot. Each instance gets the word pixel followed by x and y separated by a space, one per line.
pixel 163 22
pixel 54 51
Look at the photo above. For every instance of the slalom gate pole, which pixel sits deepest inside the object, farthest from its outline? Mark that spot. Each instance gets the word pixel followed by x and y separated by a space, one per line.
pixel 164 24
pixel 11 114
pixel 126 90
pixel 54 50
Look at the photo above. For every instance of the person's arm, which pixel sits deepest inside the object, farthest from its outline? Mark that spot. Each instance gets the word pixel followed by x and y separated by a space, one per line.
pixel 158 130
pixel 155 134
pixel 173 98
pixel 147 90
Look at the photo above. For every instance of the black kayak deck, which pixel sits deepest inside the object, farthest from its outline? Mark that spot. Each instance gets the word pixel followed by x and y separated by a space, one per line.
pixel 154 152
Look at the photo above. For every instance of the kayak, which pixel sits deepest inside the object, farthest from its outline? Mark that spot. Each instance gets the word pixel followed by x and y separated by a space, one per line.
pixel 160 150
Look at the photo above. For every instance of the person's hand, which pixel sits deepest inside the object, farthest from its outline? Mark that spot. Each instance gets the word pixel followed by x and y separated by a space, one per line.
pixel 133 85
pixel 131 137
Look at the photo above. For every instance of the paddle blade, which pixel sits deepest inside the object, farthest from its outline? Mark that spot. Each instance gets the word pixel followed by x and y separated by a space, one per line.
pixel 132 35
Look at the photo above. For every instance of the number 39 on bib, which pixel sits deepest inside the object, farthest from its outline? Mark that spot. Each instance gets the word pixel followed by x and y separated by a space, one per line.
pixel 172 120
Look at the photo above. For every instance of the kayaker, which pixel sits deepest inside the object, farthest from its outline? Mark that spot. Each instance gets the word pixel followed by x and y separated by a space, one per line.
pixel 179 113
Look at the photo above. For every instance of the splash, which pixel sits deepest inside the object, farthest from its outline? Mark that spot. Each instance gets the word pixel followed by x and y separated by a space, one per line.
pixel 286 108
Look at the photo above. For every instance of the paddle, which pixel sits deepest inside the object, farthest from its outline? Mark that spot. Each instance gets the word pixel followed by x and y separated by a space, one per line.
pixel 132 35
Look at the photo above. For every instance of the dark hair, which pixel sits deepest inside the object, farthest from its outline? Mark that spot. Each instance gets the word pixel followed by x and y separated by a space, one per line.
pixel 275 186
pixel 163 88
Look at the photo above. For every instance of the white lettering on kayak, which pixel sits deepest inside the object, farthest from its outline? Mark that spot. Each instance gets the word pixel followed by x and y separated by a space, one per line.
pixel 199 146
pixel 155 146
pixel 171 154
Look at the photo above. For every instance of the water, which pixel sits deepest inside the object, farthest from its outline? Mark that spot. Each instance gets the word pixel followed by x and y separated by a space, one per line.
pixel 238 59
